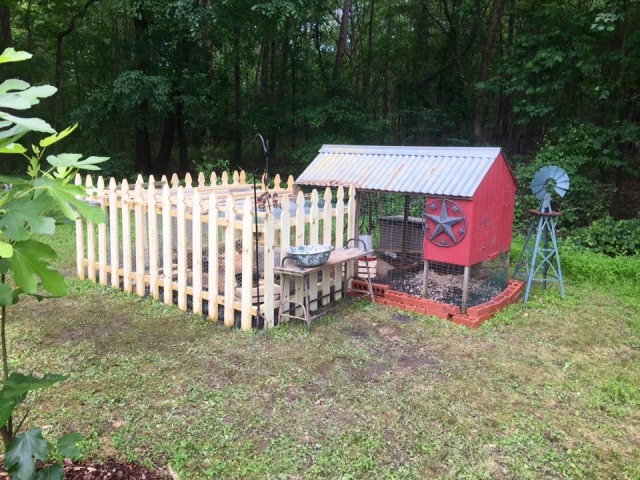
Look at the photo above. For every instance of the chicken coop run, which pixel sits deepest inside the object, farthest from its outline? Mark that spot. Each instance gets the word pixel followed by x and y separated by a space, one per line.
pixel 210 246
pixel 439 218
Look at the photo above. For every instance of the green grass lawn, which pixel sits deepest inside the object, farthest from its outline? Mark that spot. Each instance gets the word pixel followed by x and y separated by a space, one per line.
pixel 550 389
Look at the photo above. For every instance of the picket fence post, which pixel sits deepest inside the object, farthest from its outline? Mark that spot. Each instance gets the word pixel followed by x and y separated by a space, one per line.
pixel 229 261
pixel 182 250
pixel 152 220
pixel 212 257
pixel 140 240
pixel 80 270
pixel 167 246
pixel 247 265
pixel 314 216
pixel 339 237
pixel 91 239
pixel 114 241
pixel 196 253
pixel 126 237
pixel 285 243
pixel 327 225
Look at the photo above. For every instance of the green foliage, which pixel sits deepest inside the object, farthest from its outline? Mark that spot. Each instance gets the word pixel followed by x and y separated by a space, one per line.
pixel 590 156
pixel 16 387
pixel 583 265
pixel 30 206
pixel 609 236
pixel 24 447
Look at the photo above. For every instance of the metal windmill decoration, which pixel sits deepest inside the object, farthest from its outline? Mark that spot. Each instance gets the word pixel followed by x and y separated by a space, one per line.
pixel 540 258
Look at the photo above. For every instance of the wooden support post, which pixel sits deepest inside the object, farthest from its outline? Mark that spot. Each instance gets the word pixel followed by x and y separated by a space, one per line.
pixel 506 268
pixel 79 239
pixel 465 290
pixel 425 280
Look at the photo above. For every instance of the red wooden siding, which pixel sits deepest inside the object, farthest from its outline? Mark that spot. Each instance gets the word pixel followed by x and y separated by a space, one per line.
pixel 489 217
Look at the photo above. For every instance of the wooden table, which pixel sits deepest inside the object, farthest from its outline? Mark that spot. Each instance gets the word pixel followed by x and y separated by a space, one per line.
pixel 338 258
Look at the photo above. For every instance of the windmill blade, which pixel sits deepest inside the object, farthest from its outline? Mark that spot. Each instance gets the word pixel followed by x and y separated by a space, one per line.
pixel 539 182
pixel 550 178
pixel 562 182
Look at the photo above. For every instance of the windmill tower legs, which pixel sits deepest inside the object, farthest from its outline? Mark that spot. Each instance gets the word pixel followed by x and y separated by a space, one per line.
pixel 540 259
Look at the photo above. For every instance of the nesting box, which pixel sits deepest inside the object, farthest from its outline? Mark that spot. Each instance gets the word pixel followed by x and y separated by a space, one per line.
pixel 471 220
pixel 391 231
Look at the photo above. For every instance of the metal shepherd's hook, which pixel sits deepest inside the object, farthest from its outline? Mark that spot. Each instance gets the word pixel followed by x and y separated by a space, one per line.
pixel 265 150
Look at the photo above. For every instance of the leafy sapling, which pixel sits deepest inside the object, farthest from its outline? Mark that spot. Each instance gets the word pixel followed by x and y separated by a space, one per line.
pixel 28 206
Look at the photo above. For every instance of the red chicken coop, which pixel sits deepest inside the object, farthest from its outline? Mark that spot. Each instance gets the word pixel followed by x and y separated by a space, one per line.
pixel 440 219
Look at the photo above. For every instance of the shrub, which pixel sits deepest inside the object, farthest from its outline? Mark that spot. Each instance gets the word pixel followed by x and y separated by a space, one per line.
pixel 609 236
pixel 591 156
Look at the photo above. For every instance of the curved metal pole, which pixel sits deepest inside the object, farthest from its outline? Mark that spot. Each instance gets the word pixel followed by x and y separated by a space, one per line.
pixel 265 150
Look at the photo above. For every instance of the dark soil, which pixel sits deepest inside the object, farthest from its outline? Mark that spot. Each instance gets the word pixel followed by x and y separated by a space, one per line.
pixel 110 469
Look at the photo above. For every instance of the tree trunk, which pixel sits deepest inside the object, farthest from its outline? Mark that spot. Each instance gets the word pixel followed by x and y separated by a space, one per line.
pixel 342 39
pixel 367 72
pixel 60 38
pixel 280 92
pixel 143 151
pixel 264 74
pixel 272 72
pixel 184 165
pixel 237 154
pixel 28 26
pixel 318 42
pixel 57 99
pixel 385 88
pixel 480 93
pixel 143 144
pixel 6 39
pixel 161 162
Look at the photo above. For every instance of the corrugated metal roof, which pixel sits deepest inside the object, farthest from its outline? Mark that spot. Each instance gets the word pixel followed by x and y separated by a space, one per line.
pixel 451 171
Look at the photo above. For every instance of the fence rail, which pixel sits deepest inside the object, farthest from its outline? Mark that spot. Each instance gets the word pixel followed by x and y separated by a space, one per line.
pixel 193 245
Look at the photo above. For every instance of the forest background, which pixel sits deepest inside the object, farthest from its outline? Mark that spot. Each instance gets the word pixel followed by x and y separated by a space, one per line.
pixel 183 85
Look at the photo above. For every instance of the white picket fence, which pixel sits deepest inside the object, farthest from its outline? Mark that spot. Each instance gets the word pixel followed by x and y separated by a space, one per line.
pixel 194 245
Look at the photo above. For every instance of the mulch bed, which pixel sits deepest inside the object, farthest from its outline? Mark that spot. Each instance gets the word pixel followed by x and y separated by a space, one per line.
pixel 107 470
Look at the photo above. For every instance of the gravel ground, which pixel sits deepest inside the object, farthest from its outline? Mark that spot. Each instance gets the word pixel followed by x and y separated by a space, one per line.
pixel 445 288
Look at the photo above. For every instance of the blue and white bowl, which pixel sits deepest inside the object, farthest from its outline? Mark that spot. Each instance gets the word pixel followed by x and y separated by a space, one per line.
pixel 310 255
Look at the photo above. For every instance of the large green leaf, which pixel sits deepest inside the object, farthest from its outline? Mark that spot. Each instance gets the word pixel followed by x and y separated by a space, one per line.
pixel 6 250
pixel 6 295
pixel 10 133
pixel 10 55
pixel 65 197
pixel 19 384
pixel 18 458
pixel 67 445
pixel 15 148
pixel 30 259
pixel 45 142
pixel 13 84
pixel 15 101
pixel 12 180
pixel 52 472
pixel 34 94
pixel 34 124
pixel 7 406
pixel 73 160
pixel 24 213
